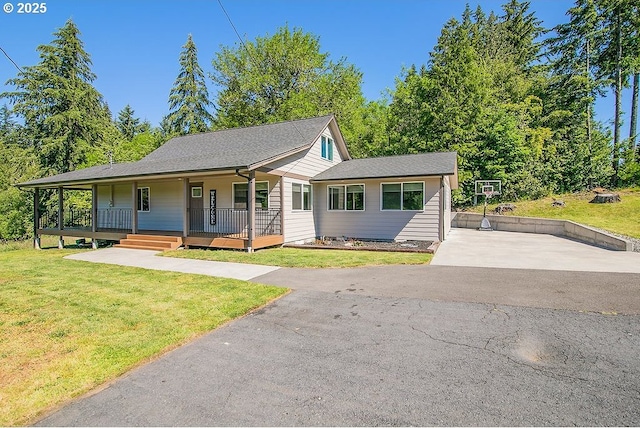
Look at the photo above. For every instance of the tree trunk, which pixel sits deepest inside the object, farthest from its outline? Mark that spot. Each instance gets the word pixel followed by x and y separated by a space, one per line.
pixel 589 104
pixel 633 133
pixel 588 107
pixel 618 97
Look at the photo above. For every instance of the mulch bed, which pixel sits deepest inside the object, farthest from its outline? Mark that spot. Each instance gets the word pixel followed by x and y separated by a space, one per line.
pixel 353 244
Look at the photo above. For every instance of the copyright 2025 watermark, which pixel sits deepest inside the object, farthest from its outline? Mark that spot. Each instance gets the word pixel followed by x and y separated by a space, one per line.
pixel 25 8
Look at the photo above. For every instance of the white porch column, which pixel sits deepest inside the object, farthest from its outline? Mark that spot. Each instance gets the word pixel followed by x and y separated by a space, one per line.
pixel 60 216
pixel 185 207
pixel 36 218
pixel 94 215
pixel 251 210
pixel 134 207
pixel 282 205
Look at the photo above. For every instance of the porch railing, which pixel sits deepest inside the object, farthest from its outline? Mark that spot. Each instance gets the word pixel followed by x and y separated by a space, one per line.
pixel 115 219
pixel 221 221
pixel 234 222
pixel 75 218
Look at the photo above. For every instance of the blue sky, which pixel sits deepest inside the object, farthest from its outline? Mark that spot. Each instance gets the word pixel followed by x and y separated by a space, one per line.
pixel 135 44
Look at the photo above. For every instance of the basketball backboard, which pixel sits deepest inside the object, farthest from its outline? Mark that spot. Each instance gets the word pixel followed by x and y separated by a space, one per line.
pixel 488 187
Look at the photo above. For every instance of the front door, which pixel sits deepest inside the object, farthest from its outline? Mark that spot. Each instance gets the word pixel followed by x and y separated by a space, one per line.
pixel 196 208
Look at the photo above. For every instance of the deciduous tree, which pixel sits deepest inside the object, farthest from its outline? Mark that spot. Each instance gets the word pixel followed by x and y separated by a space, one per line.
pixel 283 77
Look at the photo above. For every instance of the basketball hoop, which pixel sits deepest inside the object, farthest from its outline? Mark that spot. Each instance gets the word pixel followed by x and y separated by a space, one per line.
pixel 488 188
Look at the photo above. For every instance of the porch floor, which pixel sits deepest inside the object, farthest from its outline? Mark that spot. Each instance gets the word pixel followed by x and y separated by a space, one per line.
pixel 197 239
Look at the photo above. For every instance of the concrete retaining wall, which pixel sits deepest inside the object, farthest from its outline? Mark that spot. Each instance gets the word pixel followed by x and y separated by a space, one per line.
pixel 564 228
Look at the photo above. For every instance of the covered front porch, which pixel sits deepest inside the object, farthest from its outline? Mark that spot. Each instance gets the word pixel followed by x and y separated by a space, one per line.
pixel 229 217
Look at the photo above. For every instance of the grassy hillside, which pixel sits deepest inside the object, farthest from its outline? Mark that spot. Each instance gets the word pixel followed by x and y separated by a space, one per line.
pixel 622 218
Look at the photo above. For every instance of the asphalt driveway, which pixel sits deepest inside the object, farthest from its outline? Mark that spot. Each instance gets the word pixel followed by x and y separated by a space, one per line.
pixel 400 345
pixel 316 358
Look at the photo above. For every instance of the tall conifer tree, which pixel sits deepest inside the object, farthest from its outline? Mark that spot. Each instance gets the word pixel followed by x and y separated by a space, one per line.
pixel 128 124
pixel 189 97
pixel 63 113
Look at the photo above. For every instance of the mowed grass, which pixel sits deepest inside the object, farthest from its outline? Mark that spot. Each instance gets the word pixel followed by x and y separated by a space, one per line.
pixel 68 326
pixel 622 217
pixel 306 258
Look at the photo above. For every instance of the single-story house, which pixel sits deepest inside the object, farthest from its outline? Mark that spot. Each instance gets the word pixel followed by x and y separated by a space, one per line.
pixel 253 187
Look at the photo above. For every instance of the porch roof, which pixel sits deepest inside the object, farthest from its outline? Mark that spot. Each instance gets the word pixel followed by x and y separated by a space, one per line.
pixel 238 148
pixel 414 165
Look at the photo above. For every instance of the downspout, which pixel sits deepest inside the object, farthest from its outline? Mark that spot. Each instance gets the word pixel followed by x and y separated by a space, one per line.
pixel 242 175
pixel 441 208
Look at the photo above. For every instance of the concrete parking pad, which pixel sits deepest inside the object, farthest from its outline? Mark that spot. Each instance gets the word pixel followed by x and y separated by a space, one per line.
pixel 149 260
pixel 470 247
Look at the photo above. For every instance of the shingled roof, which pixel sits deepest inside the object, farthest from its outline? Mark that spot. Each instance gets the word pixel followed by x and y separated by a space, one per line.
pixel 244 148
pixel 415 165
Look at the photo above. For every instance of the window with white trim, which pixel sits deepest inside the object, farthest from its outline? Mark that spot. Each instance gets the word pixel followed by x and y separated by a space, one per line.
pixel 144 199
pixel 349 197
pixel 327 148
pixel 402 196
pixel 301 196
pixel 241 195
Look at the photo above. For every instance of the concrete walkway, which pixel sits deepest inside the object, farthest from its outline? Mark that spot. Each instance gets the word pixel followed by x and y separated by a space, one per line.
pixel 513 250
pixel 149 260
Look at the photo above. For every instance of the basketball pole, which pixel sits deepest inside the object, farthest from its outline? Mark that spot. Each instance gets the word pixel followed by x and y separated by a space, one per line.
pixel 485 225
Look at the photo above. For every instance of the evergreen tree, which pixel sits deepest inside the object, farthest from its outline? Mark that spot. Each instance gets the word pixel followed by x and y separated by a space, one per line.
pixel 128 124
pixel 574 53
pixel 618 61
pixel 483 94
pixel 521 30
pixel 63 113
pixel 7 124
pixel 189 97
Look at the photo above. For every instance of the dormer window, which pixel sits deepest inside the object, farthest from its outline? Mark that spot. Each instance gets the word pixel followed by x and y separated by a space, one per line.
pixel 327 148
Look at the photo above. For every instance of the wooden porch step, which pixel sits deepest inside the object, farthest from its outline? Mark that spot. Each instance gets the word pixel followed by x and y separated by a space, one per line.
pixel 150 242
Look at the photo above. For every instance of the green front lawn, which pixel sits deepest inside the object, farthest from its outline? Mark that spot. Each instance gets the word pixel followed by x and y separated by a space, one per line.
pixel 306 258
pixel 622 217
pixel 67 326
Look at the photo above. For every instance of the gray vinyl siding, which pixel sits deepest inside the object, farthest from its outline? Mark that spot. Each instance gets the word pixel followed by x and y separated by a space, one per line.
pixel 165 206
pixel 114 206
pixel 104 197
pixel 298 224
pixel 309 163
pixel 374 223
pixel 121 196
pixel 165 203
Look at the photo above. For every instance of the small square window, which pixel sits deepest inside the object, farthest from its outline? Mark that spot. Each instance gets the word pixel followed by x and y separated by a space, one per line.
pixel 196 192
